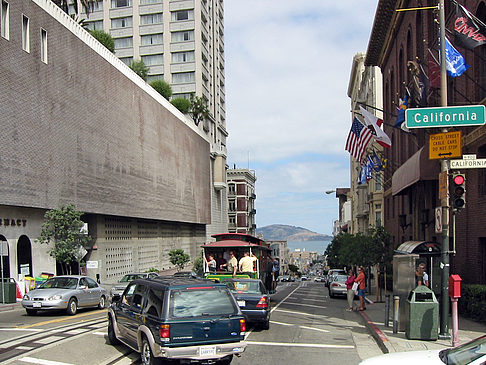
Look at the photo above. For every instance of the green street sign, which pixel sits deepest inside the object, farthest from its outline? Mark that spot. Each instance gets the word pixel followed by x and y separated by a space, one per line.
pixel 450 116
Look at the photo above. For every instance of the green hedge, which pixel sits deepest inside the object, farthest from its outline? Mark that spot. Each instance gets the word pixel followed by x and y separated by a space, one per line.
pixel 472 303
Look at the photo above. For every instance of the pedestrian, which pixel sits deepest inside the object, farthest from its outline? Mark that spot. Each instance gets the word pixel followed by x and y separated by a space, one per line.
pixel 246 264
pixel 275 273
pixel 361 280
pixel 232 264
pixel 349 285
pixel 211 262
pixel 421 276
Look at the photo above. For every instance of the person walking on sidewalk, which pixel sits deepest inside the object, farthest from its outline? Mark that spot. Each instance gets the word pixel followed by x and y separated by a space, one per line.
pixel 349 285
pixel 361 280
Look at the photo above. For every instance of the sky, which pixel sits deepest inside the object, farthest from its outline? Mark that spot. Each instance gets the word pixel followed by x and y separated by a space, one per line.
pixel 287 69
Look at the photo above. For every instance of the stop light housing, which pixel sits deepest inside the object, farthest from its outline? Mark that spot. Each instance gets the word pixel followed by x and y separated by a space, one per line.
pixel 458 191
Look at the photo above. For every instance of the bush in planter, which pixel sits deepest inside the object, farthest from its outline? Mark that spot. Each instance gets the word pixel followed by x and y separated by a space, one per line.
pixel 473 301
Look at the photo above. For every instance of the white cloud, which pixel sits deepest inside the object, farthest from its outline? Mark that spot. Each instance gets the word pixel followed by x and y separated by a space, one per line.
pixel 287 72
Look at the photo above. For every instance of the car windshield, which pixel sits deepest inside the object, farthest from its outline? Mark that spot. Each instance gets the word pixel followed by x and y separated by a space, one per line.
pixel 466 353
pixel 250 287
pixel 130 277
pixel 340 278
pixel 60 283
pixel 200 303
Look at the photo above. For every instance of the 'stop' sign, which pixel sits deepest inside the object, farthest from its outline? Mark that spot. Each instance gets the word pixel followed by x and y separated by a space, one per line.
pixel 452 116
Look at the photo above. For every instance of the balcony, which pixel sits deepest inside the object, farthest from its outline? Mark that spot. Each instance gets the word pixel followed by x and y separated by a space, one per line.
pixel 253 211
pixel 252 196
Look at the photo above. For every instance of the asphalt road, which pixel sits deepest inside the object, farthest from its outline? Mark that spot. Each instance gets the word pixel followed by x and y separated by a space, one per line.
pixel 307 327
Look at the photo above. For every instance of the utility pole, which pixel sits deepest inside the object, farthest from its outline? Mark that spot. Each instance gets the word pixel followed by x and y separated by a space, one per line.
pixel 444 166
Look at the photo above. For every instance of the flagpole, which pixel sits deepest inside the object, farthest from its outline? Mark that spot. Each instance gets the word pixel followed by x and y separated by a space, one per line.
pixel 444 166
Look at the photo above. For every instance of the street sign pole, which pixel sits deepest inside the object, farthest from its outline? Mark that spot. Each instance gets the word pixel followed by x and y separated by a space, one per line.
pixel 444 167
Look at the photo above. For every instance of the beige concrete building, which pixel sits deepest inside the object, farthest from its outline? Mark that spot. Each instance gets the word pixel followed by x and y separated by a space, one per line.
pixel 182 42
pixel 365 88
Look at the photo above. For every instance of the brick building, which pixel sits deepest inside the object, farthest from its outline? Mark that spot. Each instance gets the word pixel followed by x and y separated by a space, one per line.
pixel 411 178
pixel 80 127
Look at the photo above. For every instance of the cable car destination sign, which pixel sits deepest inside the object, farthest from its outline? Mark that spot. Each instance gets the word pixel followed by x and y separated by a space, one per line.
pixel 449 116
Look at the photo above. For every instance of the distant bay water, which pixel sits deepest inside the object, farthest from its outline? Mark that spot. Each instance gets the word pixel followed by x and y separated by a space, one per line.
pixel 317 246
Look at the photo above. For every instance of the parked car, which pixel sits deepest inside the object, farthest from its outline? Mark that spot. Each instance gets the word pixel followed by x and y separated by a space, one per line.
pixel 65 292
pixel 185 274
pixel 338 286
pixel 285 278
pixel 253 299
pixel 303 278
pixel 333 272
pixel 119 287
pixel 178 318
pixel 470 353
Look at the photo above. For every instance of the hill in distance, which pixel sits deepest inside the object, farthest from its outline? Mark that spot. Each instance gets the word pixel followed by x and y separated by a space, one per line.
pixel 283 232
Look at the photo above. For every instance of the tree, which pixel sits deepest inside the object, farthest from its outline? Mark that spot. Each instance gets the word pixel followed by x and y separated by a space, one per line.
pixel 293 268
pixel 198 267
pixel 179 258
pixel 182 104
pixel 162 87
pixel 104 38
pixel 199 109
pixel 63 228
pixel 140 69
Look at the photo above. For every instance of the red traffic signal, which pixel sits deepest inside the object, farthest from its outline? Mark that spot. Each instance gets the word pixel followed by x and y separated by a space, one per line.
pixel 459 179
pixel 458 191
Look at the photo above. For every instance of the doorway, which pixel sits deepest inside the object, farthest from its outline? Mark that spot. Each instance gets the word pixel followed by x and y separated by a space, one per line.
pixel 24 256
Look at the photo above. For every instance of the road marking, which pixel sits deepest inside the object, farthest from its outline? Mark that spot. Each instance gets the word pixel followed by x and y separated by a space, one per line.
pixel 291 344
pixel 99 333
pixel 302 313
pixel 33 360
pixel 49 339
pixel 306 305
pixel 22 329
pixel 296 325
pixel 60 319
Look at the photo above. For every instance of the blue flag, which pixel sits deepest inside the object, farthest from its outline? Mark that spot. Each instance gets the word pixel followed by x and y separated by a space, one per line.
pixel 455 63
pixel 401 111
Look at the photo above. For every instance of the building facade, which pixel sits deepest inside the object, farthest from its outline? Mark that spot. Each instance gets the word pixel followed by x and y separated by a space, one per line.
pixel 401 43
pixel 81 128
pixel 241 201
pixel 281 252
pixel 182 42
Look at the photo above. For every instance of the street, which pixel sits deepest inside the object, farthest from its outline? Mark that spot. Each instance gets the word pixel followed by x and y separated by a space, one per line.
pixel 306 327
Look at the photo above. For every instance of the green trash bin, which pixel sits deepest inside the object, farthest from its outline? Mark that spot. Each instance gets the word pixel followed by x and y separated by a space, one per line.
pixel 9 291
pixel 423 314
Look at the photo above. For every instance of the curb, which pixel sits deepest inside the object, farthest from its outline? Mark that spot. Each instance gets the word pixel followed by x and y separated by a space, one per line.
pixel 383 342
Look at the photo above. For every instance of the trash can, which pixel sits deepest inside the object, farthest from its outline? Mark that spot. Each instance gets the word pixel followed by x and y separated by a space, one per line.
pixel 423 314
pixel 9 291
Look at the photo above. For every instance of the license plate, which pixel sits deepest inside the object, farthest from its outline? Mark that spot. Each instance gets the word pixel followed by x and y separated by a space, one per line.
pixel 241 303
pixel 36 305
pixel 209 350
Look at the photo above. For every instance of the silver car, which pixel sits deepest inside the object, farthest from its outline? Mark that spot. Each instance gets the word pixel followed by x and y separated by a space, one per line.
pixel 67 292
pixel 337 286
pixel 119 287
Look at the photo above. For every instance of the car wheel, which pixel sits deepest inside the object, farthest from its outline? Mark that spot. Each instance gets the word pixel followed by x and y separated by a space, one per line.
pixel 146 354
pixel 266 325
pixel 31 312
pixel 72 307
pixel 102 303
pixel 111 332
pixel 226 360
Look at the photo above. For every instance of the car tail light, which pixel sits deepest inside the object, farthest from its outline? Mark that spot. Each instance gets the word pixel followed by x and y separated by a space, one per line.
pixel 335 284
pixel 263 303
pixel 165 331
pixel 242 325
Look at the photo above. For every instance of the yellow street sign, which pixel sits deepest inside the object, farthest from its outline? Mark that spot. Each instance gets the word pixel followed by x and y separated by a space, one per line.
pixel 445 145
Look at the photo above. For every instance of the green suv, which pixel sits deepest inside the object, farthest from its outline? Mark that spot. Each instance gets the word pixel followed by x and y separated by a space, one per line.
pixel 167 318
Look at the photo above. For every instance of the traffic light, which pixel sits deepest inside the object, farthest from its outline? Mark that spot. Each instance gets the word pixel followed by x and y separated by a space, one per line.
pixel 458 191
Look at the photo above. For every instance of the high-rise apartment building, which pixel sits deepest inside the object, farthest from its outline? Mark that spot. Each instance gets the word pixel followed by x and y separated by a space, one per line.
pixel 182 42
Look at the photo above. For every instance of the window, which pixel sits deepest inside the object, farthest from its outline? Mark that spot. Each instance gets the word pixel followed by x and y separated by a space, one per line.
pixel 25 34
pixel 125 42
pixel 183 77
pixel 182 15
pixel 232 206
pixel 120 3
pixel 150 39
pixel 187 35
pixel 43 45
pixel 151 19
pixel 154 302
pixel 151 78
pixel 96 25
pixel 127 60
pixel 155 59
pixel 95 6
pixel 183 56
pixel 5 25
pixel 121 22
pixel 186 303
pixel 182 96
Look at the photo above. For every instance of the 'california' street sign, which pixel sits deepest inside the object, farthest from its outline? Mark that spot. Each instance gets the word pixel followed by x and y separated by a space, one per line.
pixel 480 163
pixel 450 116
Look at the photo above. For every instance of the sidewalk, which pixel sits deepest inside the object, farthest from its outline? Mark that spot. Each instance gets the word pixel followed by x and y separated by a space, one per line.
pixel 374 318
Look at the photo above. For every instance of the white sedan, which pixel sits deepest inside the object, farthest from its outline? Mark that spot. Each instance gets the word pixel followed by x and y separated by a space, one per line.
pixel 470 353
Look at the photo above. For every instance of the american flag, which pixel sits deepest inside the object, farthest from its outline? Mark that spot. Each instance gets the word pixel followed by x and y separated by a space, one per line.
pixel 358 139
